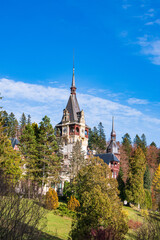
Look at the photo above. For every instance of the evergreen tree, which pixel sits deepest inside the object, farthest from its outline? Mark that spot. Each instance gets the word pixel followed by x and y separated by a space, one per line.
pixel 47 147
pixel 153 144
pixel 77 159
pixel 23 122
pixel 28 146
pixel 12 126
pixel 143 144
pixel 137 141
pixel 10 160
pixel 36 129
pixel 97 139
pixel 121 185
pixel 134 185
pixel 126 143
pixel 102 137
pixel 29 119
pixel 147 179
pixel 5 118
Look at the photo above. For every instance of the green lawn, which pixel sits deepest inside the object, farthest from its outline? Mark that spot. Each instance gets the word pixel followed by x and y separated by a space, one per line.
pixel 57 227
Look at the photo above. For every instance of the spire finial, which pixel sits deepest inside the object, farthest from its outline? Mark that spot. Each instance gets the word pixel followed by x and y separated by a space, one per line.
pixel 112 123
pixel 73 86
pixel 113 133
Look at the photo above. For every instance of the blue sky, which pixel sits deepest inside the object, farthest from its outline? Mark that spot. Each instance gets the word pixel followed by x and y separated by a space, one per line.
pixel 117 61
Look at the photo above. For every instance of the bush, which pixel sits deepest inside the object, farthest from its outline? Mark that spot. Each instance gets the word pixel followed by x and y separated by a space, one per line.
pixel 51 199
pixel 62 210
pixel 150 230
pixel 73 203
pixel 134 224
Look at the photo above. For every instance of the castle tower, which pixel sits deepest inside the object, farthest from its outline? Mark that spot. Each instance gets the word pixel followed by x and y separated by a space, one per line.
pixel 72 126
pixel 113 147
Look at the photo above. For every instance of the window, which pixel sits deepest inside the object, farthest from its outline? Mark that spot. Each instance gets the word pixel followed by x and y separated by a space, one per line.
pixel 52 185
pixel 72 129
pixel 112 174
pixel 86 132
pixel 77 129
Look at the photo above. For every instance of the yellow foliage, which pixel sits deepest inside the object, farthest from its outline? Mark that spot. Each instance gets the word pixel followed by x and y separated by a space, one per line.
pixel 144 213
pixel 73 203
pixel 51 201
pixel 156 180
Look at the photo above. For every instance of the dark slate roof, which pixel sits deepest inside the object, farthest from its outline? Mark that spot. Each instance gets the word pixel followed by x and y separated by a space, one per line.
pixel 73 107
pixel 107 157
pixel 14 141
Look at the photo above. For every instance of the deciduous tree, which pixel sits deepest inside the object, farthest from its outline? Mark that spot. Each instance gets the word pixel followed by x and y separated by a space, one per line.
pixel 99 202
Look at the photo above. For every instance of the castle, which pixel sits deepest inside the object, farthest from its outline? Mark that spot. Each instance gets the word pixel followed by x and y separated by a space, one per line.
pixel 72 128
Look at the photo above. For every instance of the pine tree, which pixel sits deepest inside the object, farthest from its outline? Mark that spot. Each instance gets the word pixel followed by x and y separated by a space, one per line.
pixel 121 185
pixel 12 126
pixel 29 119
pixel 101 137
pixel 147 179
pixel 49 163
pixel 126 143
pixel 137 141
pixel 143 144
pixel 97 139
pixel 153 144
pixel 23 122
pixel 28 147
pixel 10 160
pixel 134 185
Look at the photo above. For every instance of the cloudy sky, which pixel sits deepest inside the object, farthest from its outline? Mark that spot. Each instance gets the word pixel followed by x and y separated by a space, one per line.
pixel 117 61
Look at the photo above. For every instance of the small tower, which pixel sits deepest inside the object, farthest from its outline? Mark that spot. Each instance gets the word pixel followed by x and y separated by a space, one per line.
pixel 113 147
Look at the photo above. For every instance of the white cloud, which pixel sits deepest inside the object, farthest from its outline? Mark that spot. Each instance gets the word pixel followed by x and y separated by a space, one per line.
pixel 137 101
pixel 39 100
pixel 150 48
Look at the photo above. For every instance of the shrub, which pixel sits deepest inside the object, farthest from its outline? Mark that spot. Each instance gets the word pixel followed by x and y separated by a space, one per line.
pixel 150 230
pixel 134 225
pixel 51 200
pixel 73 203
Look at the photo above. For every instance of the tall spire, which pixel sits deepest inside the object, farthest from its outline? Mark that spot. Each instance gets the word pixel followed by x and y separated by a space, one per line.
pixel 112 124
pixel 73 86
pixel 113 133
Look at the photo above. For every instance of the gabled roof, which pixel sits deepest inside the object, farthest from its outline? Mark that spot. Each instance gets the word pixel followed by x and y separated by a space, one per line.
pixel 73 107
pixel 107 157
pixel 14 141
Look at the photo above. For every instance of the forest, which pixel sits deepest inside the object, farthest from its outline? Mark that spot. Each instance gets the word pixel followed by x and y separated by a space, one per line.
pixel 93 200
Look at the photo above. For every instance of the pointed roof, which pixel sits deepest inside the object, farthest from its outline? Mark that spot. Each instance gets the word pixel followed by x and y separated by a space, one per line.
pixel 113 147
pixel 73 107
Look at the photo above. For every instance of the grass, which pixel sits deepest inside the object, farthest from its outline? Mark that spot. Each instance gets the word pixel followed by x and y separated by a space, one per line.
pixel 57 227
pixel 134 215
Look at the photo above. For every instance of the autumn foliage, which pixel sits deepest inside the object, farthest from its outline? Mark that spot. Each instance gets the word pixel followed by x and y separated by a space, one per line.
pixel 73 203
pixel 51 201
